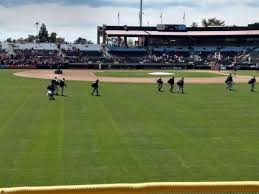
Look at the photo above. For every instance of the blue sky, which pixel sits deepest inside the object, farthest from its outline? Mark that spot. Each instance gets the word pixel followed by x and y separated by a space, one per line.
pixel 73 18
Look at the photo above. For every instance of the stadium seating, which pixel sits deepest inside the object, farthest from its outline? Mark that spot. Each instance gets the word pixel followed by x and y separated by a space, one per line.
pixel 49 55
pixel 4 47
pixel 206 49
pixel 34 46
pixel 126 51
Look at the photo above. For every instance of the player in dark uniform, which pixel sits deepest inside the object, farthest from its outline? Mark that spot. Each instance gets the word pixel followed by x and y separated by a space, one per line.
pixel 171 83
pixel 160 84
pixel 229 81
pixel 55 82
pixel 51 91
pixel 252 83
pixel 95 86
pixel 62 85
pixel 180 84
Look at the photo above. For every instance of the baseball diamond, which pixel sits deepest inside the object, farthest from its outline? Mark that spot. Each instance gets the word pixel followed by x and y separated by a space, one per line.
pixel 130 131
pixel 129 97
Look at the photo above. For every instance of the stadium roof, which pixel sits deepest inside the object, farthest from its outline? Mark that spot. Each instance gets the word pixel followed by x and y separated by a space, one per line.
pixel 188 33
pixel 126 33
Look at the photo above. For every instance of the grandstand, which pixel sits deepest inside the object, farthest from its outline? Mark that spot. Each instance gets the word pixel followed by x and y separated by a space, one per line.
pixel 156 47
pixel 48 55
pixel 33 46
pixel 227 45
pixel 85 50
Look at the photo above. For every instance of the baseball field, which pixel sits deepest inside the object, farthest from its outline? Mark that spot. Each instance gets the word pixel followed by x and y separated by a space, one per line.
pixel 131 133
pixel 146 73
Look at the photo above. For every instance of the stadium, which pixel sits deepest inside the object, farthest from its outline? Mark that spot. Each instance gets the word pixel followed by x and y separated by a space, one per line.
pixel 141 133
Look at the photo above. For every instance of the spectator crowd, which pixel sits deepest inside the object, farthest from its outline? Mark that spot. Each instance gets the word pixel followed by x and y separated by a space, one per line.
pixel 32 58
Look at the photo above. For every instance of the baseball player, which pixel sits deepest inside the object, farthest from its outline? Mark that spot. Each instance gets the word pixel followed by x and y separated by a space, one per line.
pixel 160 84
pixel 229 81
pixel 95 86
pixel 55 82
pixel 171 83
pixel 180 84
pixel 51 91
pixel 62 85
pixel 252 84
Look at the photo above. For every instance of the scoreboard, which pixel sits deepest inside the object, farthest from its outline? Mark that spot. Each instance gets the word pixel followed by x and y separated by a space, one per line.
pixel 172 27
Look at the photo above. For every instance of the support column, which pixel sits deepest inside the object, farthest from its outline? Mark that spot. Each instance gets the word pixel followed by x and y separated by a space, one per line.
pixel 119 41
pixel 126 41
pixel 98 35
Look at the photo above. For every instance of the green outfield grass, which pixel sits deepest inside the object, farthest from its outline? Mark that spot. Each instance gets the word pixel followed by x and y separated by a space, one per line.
pixel 145 73
pixel 249 73
pixel 130 134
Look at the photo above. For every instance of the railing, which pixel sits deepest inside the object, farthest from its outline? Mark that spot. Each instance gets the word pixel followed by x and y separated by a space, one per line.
pixel 146 188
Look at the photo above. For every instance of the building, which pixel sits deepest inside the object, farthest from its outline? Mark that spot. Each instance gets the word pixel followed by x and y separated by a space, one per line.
pixel 180 35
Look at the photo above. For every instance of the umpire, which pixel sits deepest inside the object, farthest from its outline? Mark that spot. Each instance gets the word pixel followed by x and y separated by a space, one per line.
pixel 252 83
pixel 171 83
pixel 95 86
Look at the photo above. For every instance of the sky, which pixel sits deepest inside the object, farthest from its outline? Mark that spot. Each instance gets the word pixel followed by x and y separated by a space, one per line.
pixel 74 18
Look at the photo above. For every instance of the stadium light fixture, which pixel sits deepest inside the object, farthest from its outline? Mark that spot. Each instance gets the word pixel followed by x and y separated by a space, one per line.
pixel 141 14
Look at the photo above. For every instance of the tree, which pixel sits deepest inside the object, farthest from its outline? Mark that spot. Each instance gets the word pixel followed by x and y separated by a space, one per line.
pixel 43 34
pixel 60 40
pixel 53 37
pixel 81 40
pixel 20 40
pixel 30 39
pixel 194 24
pixel 89 42
pixel 212 22
pixel 8 40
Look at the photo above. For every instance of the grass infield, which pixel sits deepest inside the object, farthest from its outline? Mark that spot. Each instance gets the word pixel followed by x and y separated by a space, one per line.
pixel 145 73
pixel 130 134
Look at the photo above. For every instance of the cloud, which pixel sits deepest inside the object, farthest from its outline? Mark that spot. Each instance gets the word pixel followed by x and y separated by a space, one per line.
pixel 253 3
pixel 101 3
pixel 133 3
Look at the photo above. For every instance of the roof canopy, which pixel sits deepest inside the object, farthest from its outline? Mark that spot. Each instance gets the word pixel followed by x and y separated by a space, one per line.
pixel 126 33
pixel 188 33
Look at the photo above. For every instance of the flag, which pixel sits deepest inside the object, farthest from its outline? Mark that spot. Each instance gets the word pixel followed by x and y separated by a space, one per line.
pixel 184 16
pixel 118 18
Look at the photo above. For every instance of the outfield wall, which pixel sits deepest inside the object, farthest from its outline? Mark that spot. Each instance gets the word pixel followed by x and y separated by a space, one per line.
pixel 147 188
pixel 243 66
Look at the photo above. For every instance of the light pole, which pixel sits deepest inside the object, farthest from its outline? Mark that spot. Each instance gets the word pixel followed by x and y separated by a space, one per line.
pixel 119 19
pixel 37 29
pixel 141 14
pixel 161 18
